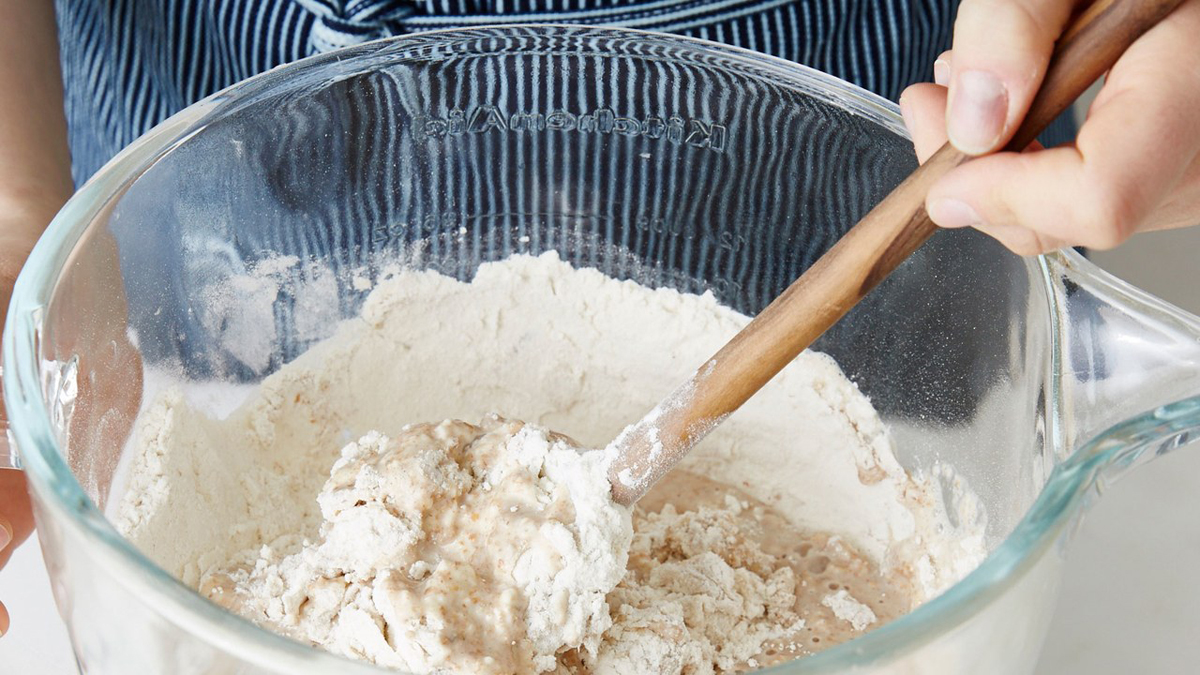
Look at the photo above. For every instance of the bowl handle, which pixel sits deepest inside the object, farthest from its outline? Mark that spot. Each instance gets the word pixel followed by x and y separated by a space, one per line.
pixel 1122 359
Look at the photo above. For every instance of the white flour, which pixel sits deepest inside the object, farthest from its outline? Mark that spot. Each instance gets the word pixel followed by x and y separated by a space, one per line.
pixel 849 609
pixel 569 350
pixel 482 550
pixel 699 597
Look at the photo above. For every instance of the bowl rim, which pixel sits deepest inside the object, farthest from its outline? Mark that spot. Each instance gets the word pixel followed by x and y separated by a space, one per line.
pixel 61 495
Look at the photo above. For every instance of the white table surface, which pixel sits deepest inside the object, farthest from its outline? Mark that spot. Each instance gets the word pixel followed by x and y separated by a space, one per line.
pixel 1129 602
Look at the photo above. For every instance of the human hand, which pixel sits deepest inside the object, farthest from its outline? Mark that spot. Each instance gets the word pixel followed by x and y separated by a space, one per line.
pixel 16 518
pixel 35 180
pixel 16 522
pixel 1134 166
pixel 109 381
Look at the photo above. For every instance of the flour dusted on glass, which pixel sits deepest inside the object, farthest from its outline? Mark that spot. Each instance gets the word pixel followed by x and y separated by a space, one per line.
pixel 581 354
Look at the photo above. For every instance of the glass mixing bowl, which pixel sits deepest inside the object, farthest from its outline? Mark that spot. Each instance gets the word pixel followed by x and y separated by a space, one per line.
pixel 671 161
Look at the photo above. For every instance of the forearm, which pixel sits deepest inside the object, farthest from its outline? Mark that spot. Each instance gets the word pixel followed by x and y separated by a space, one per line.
pixel 35 179
pixel 35 168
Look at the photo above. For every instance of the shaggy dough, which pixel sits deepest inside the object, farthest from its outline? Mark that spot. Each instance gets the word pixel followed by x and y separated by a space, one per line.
pixel 451 547
pixel 738 559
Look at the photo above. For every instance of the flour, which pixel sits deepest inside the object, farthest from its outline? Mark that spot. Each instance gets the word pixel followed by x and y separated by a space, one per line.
pixel 582 354
pixel 701 596
pixel 452 547
pixel 850 610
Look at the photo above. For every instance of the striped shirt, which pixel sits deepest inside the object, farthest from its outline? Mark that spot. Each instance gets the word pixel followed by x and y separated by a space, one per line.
pixel 128 64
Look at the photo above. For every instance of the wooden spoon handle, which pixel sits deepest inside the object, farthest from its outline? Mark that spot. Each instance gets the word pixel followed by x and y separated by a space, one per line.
pixel 869 252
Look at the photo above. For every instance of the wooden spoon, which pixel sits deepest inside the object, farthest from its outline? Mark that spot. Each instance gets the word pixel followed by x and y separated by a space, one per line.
pixel 869 252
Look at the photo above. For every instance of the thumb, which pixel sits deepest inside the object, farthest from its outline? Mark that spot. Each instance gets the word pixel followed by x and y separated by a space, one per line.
pixel 16 519
pixel 6 535
pixel 1001 48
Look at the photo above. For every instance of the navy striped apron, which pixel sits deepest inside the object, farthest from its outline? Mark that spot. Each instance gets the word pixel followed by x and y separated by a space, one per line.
pixel 128 64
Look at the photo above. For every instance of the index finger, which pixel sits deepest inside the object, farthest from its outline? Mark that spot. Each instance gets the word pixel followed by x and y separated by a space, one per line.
pixel 1138 143
pixel 1001 50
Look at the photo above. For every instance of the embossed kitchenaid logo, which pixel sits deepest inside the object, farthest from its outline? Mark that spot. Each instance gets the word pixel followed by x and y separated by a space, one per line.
pixel 485 118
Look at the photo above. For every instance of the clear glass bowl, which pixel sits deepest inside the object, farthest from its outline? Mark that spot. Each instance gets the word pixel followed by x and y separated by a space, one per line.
pixel 675 162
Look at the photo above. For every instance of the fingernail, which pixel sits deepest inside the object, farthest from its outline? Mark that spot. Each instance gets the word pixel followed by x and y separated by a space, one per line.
pixel 978 110
pixel 5 533
pixel 953 213
pixel 941 72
